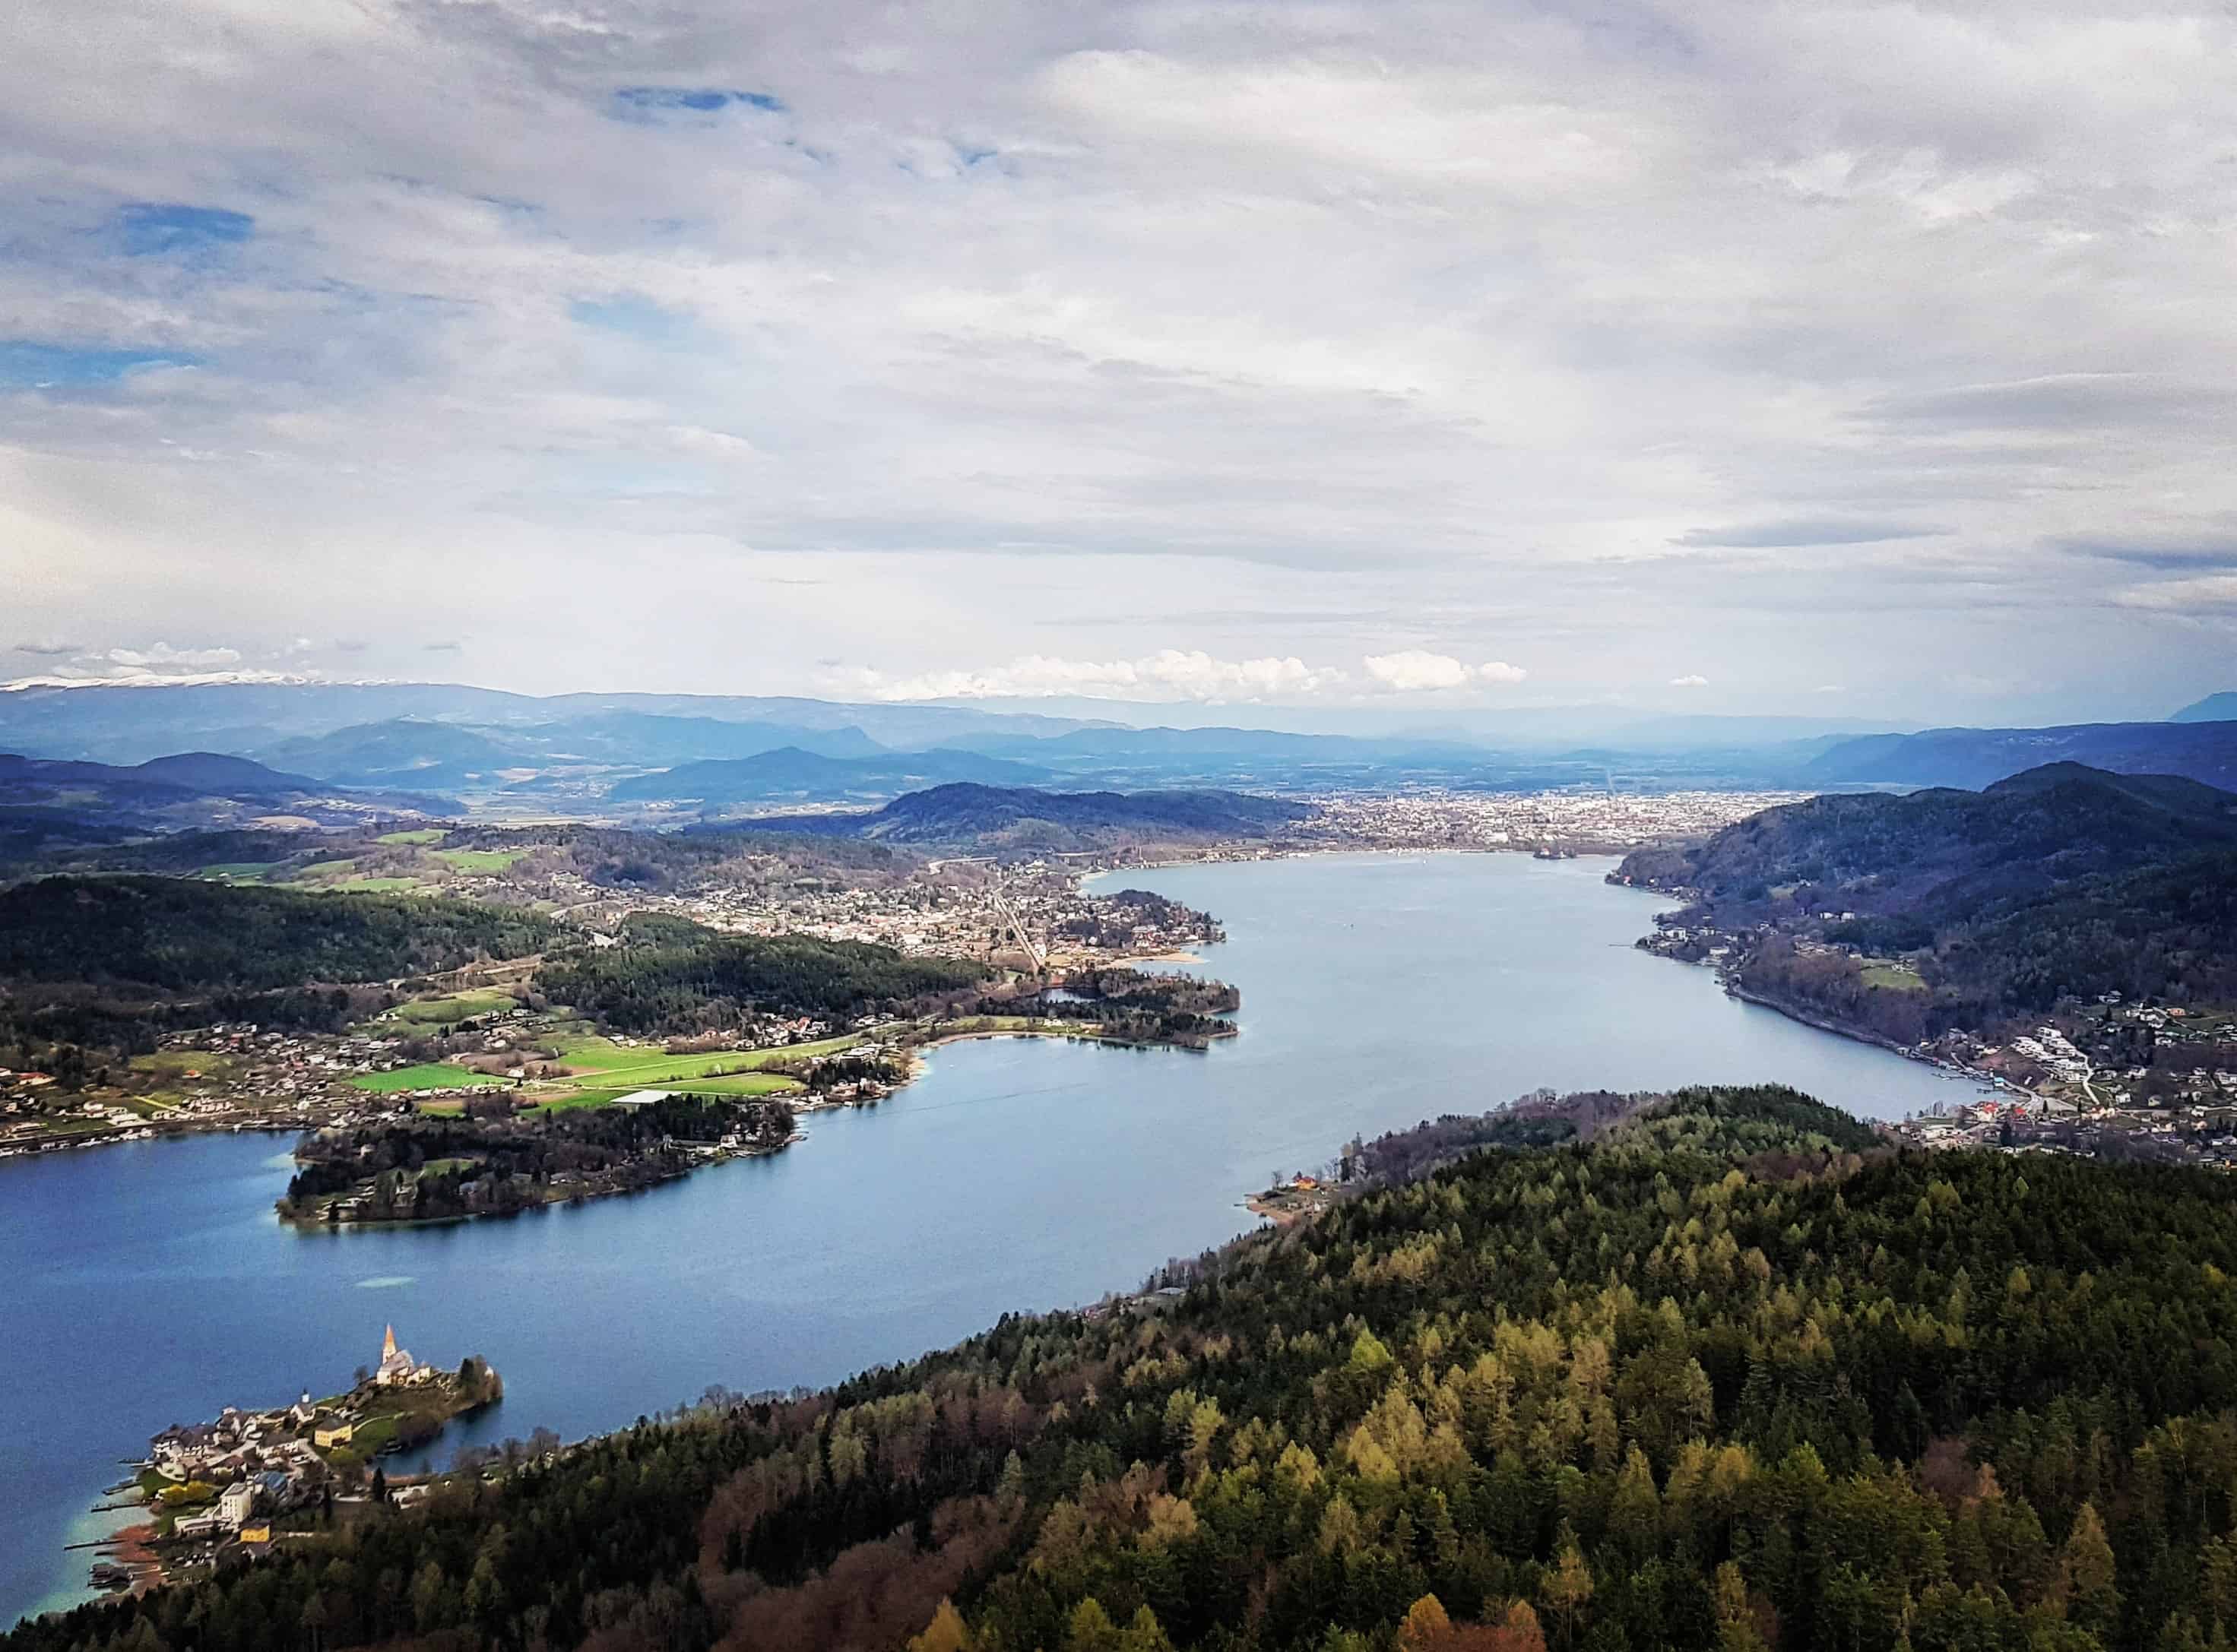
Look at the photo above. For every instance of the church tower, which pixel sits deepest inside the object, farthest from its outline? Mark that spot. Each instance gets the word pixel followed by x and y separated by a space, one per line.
pixel 388 1346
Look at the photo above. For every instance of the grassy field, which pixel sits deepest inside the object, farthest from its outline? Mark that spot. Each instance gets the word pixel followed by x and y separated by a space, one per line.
pixel 735 1084
pixel 640 1067
pixel 432 1075
pixel 324 869
pixel 572 1099
pixel 1897 977
pixel 237 871
pixel 426 835
pixel 381 885
pixel 477 860
pixel 452 1006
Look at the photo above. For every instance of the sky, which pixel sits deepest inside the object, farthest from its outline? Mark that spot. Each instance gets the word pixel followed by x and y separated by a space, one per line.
pixel 1709 357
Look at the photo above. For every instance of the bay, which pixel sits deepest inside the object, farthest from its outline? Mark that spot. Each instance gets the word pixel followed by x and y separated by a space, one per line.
pixel 150 1284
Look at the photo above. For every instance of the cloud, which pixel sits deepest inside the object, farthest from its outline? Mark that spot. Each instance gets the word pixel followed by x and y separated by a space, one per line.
pixel 1413 670
pixel 1690 680
pixel 2167 550
pixel 161 656
pixel 1170 672
pixel 49 649
pixel 2209 594
pixel 1798 533
pixel 2056 401
pixel 967 334
pixel 453 647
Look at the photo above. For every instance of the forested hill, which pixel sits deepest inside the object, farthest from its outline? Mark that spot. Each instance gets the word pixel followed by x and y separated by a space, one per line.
pixel 177 935
pixel 2063 882
pixel 1711 1381
pixel 1024 817
pixel 1947 847
pixel 670 974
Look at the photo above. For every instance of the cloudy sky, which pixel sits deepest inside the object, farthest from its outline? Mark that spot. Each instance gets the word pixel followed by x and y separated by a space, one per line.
pixel 1716 355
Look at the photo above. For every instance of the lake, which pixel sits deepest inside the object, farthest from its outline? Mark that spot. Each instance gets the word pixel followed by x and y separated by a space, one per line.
pixel 150 1284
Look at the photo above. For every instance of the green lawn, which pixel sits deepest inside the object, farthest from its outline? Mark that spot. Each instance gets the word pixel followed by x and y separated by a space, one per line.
pixel 424 835
pixel 735 1084
pixel 452 1006
pixel 574 1099
pixel 477 860
pixel 641 1069
pixel 381 886
pixel 325 869
pixel 1896 978
pixel 432 1075
pixel 238 872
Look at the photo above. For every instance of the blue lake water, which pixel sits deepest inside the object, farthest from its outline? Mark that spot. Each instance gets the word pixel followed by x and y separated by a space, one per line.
pixel 150 1284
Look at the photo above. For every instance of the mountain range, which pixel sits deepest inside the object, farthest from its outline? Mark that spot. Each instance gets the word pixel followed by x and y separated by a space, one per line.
pixel 569 753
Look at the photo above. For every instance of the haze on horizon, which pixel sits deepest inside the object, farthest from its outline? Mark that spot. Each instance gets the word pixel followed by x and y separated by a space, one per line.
pixel 1845 360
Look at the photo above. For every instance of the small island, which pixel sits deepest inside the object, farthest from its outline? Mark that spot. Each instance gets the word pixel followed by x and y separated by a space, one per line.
pixel 224 1486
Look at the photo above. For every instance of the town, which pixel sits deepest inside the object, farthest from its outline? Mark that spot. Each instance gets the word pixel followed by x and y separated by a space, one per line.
pixel 230 1488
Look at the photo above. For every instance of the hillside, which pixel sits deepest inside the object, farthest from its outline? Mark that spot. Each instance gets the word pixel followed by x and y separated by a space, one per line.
pixel 1019 817
pixel 1716 1381
pixel 791 773
pixel 2063 883
pixel 1978 757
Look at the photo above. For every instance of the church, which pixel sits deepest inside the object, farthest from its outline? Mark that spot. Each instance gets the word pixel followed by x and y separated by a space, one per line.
pixel 396 1367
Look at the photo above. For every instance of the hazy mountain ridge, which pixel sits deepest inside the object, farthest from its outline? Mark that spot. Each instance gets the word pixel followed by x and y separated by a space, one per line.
pixel 967 813
pixel 1978 757
pixel 152 790
pixel 791 772
pixel 2215 708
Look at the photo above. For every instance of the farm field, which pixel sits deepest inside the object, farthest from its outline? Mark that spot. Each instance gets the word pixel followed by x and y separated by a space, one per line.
pixel 452 1006
pixel 477 860
pixel 432 1075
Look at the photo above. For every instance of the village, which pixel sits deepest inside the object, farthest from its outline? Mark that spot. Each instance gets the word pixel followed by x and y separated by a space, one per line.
pixel 230 1488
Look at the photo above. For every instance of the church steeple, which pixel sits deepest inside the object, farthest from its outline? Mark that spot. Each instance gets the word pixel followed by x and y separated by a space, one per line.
pixel 388 1346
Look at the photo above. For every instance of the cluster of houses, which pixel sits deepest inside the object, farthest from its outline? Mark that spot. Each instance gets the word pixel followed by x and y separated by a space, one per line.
pixel 267 1463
